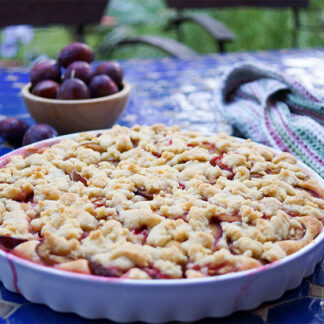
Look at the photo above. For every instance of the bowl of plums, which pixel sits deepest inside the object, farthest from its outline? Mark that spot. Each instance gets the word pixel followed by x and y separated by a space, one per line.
pixel 72 96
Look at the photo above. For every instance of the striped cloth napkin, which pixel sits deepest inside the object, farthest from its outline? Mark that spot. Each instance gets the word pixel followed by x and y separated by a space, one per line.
pixel 275 110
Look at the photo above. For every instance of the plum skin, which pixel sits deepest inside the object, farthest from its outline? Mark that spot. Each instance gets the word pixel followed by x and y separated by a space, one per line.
pixel 73 89
pixel 46 89
pixel 75 51
pixel 45 70
pixel 113 69
pixel 101 86
pixel 80 70
pixel 38 132
pixel 13 129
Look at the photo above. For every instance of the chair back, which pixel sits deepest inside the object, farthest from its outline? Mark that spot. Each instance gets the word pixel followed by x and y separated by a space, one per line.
pixel 183 4
pixel 46 12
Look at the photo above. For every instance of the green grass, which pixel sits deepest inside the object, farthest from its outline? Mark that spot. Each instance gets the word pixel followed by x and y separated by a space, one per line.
pixel 255 29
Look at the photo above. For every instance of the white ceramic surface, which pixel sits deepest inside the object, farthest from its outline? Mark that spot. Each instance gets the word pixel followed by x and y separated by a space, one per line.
pixel 156 301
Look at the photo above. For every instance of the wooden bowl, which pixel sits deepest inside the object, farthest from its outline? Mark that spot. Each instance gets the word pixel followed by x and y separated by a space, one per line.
pixel 69 116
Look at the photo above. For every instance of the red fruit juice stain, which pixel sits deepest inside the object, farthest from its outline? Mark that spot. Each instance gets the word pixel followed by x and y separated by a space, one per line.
pixel 182 185
pixel 217 160
pixel 14 274
pixel 155 273
pixel 100 202
pixel 8 243
pixel 183 217
pixel 142 230
pixel 244 292
pixel 169 142
pixel 210 147
pixel 291 213
pixel 312 193
pixel 156 154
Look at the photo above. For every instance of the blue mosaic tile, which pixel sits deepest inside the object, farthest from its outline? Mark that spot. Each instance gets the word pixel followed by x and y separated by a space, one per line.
pixel 5 150
pixel 10 296
pixel 238 317
pixel 301 291
pixel 36 314
pixel 304 310
pixel 318 275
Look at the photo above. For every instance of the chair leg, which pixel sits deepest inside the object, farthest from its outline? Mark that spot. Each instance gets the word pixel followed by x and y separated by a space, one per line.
pixel 79 33
pixel 179 29
pixel 180 34
pixel 296 27
pixel 221 46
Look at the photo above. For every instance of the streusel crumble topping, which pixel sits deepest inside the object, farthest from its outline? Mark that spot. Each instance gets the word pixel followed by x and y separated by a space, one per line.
pixel 155 202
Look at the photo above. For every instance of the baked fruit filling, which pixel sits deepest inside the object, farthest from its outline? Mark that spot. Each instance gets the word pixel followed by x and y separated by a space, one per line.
pixel 156 203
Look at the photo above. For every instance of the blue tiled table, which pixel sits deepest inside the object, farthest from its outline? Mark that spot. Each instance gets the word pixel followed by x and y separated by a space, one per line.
pixel 181 92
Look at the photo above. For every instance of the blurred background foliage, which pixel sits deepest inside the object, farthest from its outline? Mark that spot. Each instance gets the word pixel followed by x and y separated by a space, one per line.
pixel 255 29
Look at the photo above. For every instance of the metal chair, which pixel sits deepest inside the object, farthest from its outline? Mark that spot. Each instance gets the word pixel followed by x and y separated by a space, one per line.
pixel 218 31
pixel 46 12
pixel 167 45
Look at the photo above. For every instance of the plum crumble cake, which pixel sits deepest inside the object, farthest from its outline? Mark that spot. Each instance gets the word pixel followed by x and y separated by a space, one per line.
pixel 156 203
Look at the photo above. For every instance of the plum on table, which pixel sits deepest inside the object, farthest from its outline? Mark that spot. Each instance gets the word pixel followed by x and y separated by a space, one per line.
pixel 38 132
pixel 13 129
